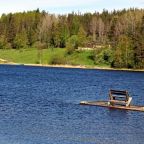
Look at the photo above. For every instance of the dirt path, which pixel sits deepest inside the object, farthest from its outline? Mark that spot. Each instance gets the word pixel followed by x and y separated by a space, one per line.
pixel 3 60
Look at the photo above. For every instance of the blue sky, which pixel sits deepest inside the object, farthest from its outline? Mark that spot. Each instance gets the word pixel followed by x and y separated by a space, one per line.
pixel 67 6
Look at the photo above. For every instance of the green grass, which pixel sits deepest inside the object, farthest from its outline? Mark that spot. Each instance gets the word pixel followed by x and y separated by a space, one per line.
pixel 30 56
pixel 81 58
pixel 19 56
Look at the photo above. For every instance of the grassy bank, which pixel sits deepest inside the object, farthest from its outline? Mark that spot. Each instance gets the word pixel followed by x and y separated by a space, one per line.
pixel 47 56
pixel 53 57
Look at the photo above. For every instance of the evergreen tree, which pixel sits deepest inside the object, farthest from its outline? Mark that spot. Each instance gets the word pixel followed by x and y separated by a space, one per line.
pixel 138 42
pixel 11 29
pixel 124 56
pixel 82 40
pixel 20 40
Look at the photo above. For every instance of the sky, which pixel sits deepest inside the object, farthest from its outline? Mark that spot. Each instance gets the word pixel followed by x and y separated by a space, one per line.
pixel 67 6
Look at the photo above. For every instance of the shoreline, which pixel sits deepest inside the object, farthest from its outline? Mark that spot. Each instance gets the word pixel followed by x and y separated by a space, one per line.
pixel 74 67
pixel 85 67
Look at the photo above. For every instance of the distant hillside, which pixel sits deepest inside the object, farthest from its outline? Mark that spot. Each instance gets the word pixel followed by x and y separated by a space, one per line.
pixel 119 34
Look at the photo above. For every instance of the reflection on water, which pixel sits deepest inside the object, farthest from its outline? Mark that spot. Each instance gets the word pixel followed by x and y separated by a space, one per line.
pixel 41 106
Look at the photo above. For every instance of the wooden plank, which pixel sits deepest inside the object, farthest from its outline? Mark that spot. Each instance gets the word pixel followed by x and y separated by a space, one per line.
pixel 117 101
pixel 118 92
pixel 106 104
pixel 119 96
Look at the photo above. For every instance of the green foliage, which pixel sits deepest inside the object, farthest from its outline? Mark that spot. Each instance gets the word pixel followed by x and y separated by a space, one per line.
pixel 20 40
pixel 61 32
pixel 11 28
pixel 138 43
pixel 103 56
pixel 39 45
pixel 32 37
pixel 73 23
pixel 57 59
pixel 72 44
pixel 124 55
pixel 3 43
pixel 82 39
pixel 80 58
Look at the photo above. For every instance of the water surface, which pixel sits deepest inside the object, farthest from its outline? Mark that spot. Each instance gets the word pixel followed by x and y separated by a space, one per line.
pixel 41 106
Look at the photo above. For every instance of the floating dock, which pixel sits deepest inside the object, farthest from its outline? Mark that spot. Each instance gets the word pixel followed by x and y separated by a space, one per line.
pixel 106 104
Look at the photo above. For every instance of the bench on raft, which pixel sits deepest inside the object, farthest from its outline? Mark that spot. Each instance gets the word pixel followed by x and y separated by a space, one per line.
pixel 118 97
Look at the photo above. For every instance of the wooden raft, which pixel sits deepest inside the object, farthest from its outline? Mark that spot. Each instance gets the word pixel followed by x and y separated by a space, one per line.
pixel 106 104
pixel 117 100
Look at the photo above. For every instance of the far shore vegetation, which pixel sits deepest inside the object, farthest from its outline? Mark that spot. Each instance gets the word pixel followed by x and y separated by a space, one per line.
pixel 108 39
pixel 55 56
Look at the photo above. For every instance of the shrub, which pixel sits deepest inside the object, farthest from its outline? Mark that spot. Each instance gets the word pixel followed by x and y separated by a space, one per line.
pixel 57 59
pixel 102 56
pixel 72 44
pixel 4 44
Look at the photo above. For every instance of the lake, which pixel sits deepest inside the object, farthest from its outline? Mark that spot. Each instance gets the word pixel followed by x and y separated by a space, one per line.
pixel 40 105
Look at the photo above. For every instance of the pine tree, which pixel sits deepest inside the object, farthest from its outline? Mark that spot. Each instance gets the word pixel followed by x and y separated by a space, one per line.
pixel 11 29
pixel 21 40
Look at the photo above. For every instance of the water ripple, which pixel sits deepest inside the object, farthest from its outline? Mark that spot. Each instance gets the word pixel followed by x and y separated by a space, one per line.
pixel 41 106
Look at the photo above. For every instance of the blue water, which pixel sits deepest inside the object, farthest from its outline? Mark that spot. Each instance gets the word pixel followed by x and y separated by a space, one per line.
pixel 41 106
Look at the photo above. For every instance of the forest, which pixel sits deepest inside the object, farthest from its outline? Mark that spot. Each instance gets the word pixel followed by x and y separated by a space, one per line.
pixel 117 37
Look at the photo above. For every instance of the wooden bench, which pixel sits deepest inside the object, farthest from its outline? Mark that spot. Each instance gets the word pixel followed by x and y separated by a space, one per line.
pixel 117 97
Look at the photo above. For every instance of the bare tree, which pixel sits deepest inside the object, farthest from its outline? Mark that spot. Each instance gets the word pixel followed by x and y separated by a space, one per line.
pixel 93 27
pixel 44 27
pixel 101 29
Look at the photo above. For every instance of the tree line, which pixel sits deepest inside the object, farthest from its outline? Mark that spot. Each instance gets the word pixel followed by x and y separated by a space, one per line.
pixel 117 37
